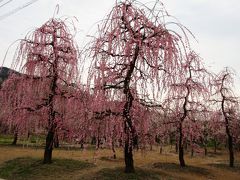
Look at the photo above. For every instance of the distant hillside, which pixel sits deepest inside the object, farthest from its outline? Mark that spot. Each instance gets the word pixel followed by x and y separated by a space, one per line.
pixel 4 73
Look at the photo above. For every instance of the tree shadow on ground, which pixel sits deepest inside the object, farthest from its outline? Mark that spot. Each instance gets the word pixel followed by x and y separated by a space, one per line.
pixel 140 174
pixel 224 165
pixel 32 168
pixel 111 159
pixel 173 167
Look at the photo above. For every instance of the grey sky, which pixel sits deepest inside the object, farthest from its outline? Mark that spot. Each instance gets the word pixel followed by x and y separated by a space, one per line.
pixel 215 23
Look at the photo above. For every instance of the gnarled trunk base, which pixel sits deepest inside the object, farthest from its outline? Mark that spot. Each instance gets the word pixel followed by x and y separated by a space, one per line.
pixel 128 155
pixel 181 156
pixel 230 148
pixel 48 148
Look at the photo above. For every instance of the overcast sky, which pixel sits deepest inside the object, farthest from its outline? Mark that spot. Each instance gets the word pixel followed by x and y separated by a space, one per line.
pixel 215 24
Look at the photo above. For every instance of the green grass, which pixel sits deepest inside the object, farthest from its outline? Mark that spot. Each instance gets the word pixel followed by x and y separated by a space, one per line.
pixel 31 168
pixel 32 140
pixel 5 139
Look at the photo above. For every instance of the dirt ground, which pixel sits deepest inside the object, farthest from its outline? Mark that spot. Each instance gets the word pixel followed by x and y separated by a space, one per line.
pixel 164 166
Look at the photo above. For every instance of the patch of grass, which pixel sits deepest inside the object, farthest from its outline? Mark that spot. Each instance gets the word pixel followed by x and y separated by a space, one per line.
pixel 5 139
pixel 176 167
pixel 212 154
pixel 31 168
pixel 32 141
pixel 118 173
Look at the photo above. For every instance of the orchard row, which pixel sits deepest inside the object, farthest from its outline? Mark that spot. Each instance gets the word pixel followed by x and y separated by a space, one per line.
pixel 137 83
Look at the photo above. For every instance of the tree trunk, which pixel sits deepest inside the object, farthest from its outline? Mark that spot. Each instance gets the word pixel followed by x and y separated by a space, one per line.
pixel 171 142
pixel 186 146
pixel 98 142
pixel 181 148
pixel 161 149
pixel 47 159
pixel 151 148
pixel 81 145
pixel 230 140
pixel 176 146
pixel 15 139
pixel 128 126
pixel 230 148
pixel 113 150
pixel 215 146
pixel 230 143
pixel 181 156
pixel 48 148
pixel 192 152
pixel 93 140
pixel 56 141
pixel 128 155
pixel 135 142
pixel 205 151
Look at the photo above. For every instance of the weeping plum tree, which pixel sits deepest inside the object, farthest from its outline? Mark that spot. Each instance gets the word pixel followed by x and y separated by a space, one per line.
pixel 186 96
pixel 48 59
pixel 4 75
pixel 228 106
pixel 133 58
pixel 7 106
